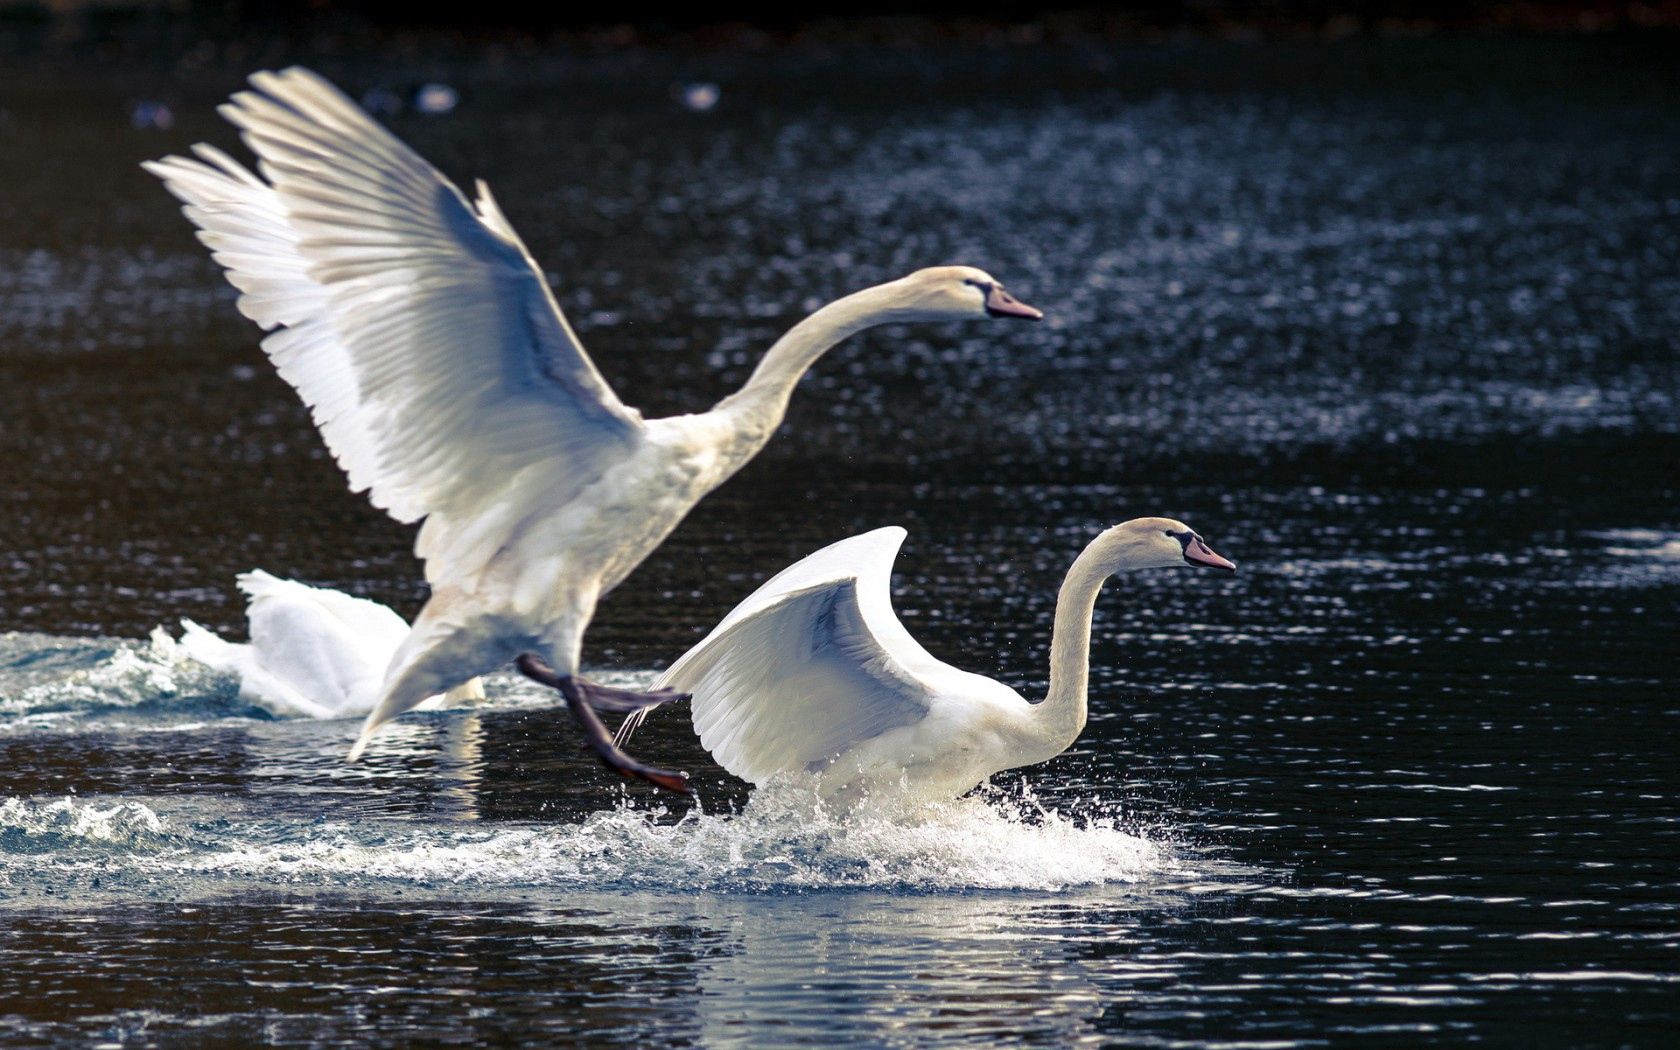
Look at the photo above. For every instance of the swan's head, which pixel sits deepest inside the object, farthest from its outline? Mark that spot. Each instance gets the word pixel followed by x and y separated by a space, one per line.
pixel 941 293
pixel 1149 543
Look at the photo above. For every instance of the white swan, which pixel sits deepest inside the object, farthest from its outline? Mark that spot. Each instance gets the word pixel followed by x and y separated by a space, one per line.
pixel 448 384
pixel 814 673
pixel 314 652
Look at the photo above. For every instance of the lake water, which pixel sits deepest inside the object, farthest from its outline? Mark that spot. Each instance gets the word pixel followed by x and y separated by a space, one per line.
pixel 1394 325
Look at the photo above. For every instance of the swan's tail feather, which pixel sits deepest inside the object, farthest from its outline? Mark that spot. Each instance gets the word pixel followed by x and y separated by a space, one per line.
pixel 210 649
pixel 403 692
pixel 388 708
pixel 257 583
pixel 369 728
pixel 469 692
pixel 632 722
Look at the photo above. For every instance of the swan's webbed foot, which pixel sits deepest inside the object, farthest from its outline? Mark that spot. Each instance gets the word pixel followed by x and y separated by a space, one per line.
pixel 578 699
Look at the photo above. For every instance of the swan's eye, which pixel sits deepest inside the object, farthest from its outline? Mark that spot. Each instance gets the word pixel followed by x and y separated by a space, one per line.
pixel 984 287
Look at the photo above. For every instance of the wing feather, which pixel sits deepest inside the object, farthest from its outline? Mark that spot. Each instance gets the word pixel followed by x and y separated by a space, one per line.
pixel 425 340
pixel 810 665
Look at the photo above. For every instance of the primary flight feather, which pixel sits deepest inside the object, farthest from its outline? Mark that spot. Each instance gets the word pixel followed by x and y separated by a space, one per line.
pixel 450 387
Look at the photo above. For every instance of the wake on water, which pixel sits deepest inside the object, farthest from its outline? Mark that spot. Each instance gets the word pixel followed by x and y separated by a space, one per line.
pixel 784 838
pixel 46 679
pixel 65 684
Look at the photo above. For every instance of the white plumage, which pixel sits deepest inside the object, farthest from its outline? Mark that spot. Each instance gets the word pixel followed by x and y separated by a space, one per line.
pixel 314 652
pixel 814 673
pixel 426 342
pixel 450 387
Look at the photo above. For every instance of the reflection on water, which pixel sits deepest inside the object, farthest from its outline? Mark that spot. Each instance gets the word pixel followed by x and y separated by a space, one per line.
pixel 854 969
pixel 1409 776
pixel 1400 781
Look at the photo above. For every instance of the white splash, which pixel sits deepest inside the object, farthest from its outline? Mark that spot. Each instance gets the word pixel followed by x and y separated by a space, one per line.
pixel 68 822
pixel 785 838
pixel 41 673
pixel 60 684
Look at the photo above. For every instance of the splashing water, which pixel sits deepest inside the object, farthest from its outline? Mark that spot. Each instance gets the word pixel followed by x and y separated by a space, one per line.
pixel 60 683
pixel 39 827
pixel 43 675
pixel 784 838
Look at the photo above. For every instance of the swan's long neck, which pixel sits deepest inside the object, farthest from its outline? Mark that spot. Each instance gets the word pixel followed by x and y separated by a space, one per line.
pixel 1057 722
pixel 758 407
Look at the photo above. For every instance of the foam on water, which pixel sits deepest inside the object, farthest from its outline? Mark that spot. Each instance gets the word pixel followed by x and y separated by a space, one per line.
pixel 30 826
pixel 785 838
pixel 58 684
pixel 42 674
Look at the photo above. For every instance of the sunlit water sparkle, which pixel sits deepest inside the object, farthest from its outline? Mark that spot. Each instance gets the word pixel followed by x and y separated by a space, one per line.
pixel 1391 322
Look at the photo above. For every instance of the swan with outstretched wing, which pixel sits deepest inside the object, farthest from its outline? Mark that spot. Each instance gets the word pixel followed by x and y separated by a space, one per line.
pixel 813 673
pixel 450 387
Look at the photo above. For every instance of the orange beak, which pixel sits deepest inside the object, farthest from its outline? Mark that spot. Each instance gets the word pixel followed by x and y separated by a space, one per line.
pixel 1000 303
pixel 1198 553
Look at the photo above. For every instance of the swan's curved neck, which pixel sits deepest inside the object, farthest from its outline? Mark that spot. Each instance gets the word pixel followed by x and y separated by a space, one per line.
pixel 757 408
pixel 1057 722
pixel 1060 718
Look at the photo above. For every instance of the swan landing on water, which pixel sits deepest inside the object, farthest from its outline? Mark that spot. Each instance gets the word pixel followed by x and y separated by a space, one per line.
pixel 314 652
pixel 449 386
pixel 813 673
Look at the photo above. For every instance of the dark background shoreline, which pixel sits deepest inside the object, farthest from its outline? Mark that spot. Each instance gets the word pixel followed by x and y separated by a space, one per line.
pixel 157 32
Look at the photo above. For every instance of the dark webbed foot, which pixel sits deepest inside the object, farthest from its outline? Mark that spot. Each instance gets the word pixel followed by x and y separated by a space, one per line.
pixel 578 696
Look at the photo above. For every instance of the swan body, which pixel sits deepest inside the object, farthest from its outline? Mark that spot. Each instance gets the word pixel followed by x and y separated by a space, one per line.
pixel 450 387
pixel 314 652
pixel 813 673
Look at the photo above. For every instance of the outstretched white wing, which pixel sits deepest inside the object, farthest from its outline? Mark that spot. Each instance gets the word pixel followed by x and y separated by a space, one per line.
pixel 425 341
pixel 812 664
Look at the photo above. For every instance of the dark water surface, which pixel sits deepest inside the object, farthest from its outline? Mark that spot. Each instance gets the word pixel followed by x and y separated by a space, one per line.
pixel 1394 325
